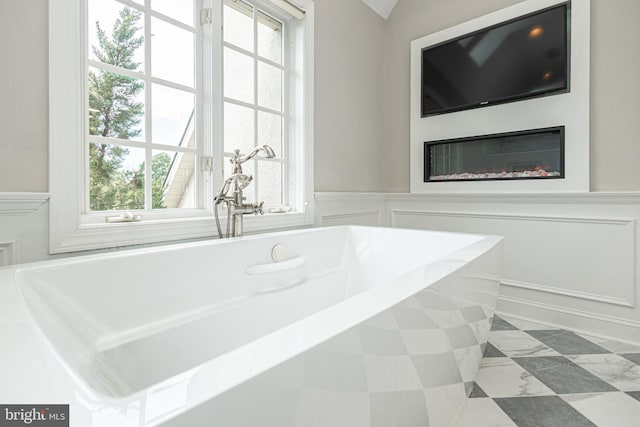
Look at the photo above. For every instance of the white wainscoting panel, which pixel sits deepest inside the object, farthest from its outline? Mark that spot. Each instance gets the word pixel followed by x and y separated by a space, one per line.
pixel 570 259
pixel 590 251
pixel 24 219
pixel 370 218
pixel 8 254
pixel 333 209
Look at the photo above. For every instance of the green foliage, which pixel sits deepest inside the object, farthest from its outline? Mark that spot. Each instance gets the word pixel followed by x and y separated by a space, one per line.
pixel 115 113
pixel 114 110
pixel 124 189
pixel 160 165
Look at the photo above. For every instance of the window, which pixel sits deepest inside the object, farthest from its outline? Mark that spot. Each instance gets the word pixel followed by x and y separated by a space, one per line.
pixel 141 147
pixel 254 101
pixel 145 115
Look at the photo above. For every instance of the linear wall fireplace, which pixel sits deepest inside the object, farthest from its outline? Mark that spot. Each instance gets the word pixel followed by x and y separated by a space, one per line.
pixel 529 154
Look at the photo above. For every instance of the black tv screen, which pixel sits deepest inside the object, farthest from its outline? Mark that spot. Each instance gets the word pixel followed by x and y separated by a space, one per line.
pixel 521 58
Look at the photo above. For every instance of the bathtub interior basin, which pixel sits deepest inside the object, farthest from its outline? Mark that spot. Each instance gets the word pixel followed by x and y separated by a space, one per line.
pixel 122 322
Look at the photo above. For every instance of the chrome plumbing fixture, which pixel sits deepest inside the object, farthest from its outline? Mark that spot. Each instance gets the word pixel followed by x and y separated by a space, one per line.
pixel 238 181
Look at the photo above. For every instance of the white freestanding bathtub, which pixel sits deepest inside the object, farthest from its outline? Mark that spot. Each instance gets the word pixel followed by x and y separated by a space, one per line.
pixel 354 326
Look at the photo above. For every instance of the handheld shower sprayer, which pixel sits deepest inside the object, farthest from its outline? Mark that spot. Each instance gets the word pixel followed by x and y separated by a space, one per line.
pixel 237 182
pixel 239 159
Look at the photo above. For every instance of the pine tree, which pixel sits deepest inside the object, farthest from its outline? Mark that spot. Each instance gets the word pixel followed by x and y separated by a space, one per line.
pixel 160 165
pixel 115 113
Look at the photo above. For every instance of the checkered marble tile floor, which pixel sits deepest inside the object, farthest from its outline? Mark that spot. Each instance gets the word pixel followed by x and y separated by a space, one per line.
pixel 534 376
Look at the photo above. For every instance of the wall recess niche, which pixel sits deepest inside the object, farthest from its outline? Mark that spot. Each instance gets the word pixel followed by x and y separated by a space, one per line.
pixel 567 110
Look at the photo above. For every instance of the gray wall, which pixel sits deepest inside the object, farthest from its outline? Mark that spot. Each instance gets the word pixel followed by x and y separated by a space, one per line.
pixel 615 95
pixel 349 90
pixel 361 90
pixel 24 111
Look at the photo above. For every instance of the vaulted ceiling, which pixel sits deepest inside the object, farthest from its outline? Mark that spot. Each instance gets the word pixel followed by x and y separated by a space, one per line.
pixel 381 7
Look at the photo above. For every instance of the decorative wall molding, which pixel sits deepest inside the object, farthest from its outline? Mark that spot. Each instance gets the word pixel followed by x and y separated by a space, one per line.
pixel 625 250
pixel 582 321
pixel 24 233
pixel 624 302
pixel 8 253
pixel 339 195
pixel 21 203
pixel 586 220
pixel 570 258
pixel 350 209
pixel 361 218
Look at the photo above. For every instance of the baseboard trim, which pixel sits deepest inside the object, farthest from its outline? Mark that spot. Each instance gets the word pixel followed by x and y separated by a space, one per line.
pixel 612 327
pixel 570 293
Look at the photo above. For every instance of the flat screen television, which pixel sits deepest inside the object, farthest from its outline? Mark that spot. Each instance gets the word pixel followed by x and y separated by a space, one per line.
pixel 522 58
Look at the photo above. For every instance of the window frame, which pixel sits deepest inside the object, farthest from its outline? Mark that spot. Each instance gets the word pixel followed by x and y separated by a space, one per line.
pixel 72 230
pixel 148 144
pixel 283 160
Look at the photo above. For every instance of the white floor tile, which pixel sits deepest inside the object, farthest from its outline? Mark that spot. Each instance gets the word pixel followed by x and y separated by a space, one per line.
pixel 519 343
pixel 502 377
pixel 612 368
pixel 614 409
pixel 445 404
pixel 481 412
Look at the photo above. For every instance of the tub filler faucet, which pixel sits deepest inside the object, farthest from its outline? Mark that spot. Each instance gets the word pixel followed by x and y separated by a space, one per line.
pixel 238 181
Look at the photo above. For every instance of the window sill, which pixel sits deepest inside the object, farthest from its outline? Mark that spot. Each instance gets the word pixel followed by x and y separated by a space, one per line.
pixel 112 235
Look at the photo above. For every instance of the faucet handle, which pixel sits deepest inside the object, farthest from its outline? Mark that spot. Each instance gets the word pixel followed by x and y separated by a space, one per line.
pixel 257 208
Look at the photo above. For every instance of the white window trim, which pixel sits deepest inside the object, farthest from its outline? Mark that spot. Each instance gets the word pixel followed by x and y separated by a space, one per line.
pixel 68 230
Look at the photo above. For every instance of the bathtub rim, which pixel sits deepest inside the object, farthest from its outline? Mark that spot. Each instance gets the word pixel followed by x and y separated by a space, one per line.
pixel 317 327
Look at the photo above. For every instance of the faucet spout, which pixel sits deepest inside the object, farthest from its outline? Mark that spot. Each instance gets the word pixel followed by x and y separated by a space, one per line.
pixel 268 152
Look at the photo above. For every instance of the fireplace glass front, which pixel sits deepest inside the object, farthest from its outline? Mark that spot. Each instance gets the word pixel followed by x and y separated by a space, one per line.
pixel 530 154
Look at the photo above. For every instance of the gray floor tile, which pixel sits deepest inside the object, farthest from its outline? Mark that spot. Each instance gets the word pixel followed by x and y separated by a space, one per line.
pixel 492 351
pixel 499 324
pixel 562 375
pixel 542 411
pixel 476 391
pixel 567 342
pixel 634 357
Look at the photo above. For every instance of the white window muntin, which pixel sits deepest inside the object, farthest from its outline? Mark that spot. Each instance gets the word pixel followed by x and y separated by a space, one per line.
pixel 148 79
pixel 261 8
pixel 70 230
